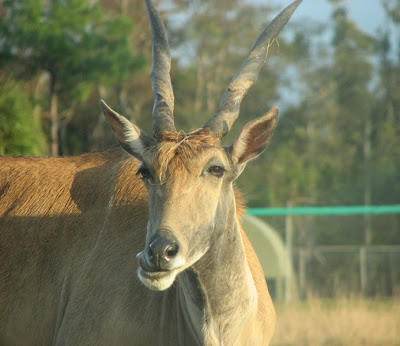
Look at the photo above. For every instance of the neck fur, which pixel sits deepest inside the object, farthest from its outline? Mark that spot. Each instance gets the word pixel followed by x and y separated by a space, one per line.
pixel 225 298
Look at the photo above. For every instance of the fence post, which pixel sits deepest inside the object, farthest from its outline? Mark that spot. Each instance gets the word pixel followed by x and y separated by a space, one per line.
pixel 363 270
pixel 289 249
pixel 302 273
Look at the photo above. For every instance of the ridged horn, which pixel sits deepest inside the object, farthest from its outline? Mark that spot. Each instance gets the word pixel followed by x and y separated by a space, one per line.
pixel 229 106
pixel 163 118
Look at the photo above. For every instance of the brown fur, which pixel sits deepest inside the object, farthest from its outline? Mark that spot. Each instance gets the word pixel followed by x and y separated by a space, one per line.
pixel 181 147
pixel 66 225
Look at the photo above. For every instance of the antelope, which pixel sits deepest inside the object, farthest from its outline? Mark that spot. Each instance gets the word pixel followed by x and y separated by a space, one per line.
pixel 139 244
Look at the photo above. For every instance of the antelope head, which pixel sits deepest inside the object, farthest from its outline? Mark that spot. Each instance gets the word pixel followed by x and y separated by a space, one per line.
pixel 190 177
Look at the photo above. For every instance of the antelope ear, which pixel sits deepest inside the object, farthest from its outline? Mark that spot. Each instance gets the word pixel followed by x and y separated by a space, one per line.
pixel 254 137
pixel 130 137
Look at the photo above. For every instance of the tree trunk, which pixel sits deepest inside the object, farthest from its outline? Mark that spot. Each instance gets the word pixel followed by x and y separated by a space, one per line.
pixel 54 121
pixel 198 101
pixel 367 178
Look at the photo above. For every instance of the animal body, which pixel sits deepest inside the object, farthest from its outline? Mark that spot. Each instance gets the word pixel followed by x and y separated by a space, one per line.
pixel 140 244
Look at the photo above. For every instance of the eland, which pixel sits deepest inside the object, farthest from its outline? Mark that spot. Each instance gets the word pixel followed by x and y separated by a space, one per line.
pixel 140 244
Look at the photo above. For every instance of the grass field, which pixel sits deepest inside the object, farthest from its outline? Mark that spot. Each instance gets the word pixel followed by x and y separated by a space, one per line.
pixel 347 322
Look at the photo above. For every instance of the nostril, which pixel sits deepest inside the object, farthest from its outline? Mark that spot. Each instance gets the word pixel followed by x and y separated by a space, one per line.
pixel 162 250
pixel 172 250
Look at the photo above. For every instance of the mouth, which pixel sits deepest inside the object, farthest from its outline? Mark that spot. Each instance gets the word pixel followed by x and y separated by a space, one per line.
pixel 152 274
pixel 156 280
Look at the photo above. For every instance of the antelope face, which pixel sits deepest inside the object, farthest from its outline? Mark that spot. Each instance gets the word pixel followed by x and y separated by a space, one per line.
pixel 189 183
pixel 190 193
pixel 189 178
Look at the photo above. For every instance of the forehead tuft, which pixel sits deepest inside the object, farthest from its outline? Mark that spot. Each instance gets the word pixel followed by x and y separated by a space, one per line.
pixel 181 149
pixel 200 136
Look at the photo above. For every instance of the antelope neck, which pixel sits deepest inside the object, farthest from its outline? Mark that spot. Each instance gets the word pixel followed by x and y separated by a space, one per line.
pixel 221 288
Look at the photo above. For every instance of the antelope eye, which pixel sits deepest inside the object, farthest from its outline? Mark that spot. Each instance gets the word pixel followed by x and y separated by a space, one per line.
pixel 217 171
pixel 144 172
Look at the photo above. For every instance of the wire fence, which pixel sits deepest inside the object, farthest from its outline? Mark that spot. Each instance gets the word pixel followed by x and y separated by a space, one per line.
pixel 329 254
pixel 346 270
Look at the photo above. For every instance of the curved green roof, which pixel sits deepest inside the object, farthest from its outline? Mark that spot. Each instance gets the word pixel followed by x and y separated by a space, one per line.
pixel 269 247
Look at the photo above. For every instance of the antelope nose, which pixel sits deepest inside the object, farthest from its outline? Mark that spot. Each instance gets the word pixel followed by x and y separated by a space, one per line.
pixel 162 250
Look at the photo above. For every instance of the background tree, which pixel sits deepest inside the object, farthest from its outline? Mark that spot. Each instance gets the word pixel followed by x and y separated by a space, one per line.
pixel 72 41
pixel 210 44
pixel 20 126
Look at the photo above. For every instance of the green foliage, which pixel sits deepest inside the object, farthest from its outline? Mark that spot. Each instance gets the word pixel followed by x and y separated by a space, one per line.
pixel 219 35
pixel 72 40
pixel 20 128
pixel 338 145
pixel 76 43
pixel 392 8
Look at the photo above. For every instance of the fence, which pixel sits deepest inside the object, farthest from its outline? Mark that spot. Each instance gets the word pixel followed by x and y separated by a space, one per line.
pixel 331 270
pixel 346 270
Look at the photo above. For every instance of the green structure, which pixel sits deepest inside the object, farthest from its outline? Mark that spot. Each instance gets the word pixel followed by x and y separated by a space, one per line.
pixel 273 256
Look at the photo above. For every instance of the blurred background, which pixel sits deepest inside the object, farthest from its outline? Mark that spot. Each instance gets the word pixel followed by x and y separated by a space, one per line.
pixel 335 75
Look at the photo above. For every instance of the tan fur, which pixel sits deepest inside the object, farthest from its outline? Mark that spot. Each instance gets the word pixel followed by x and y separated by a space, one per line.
pixel 66 225
pixel 266 315
pixel 181 147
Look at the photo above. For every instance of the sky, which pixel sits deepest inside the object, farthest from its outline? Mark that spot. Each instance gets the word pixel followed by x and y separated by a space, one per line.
pixel 368 14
